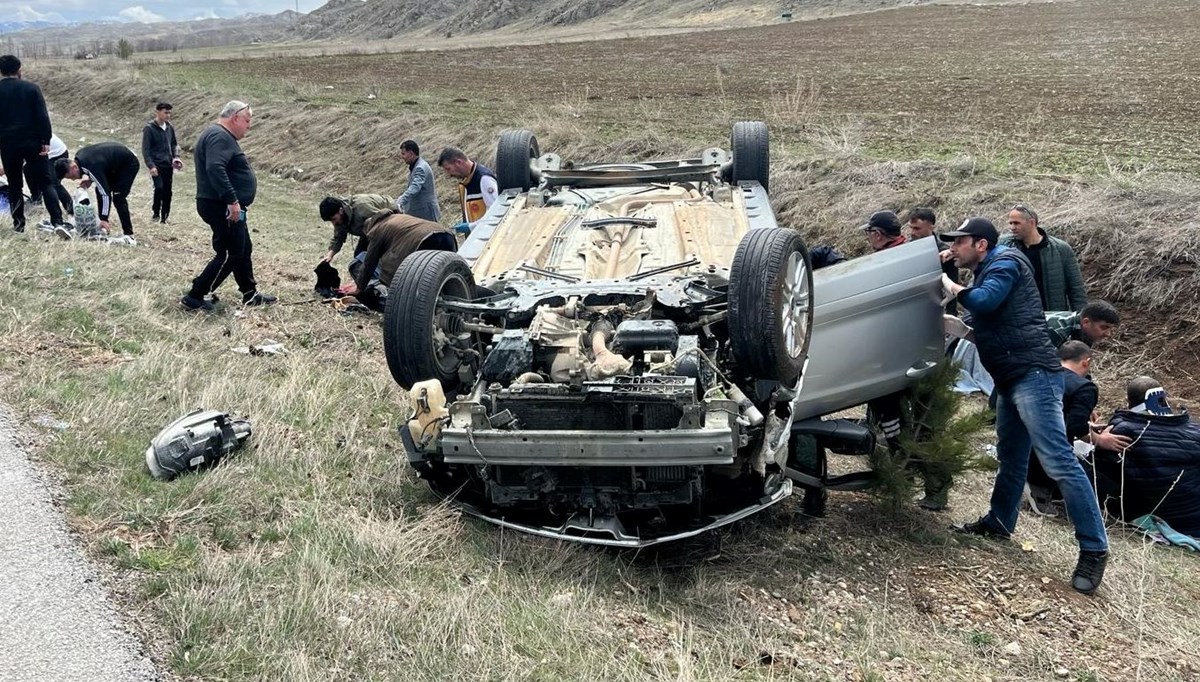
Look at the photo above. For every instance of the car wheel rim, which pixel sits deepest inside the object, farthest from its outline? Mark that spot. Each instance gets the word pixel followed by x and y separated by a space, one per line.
pixel 796 300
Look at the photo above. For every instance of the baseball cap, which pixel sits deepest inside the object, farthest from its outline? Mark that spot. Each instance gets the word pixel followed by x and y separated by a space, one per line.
pixel 163 105
pixel 884 221
pixel 974 227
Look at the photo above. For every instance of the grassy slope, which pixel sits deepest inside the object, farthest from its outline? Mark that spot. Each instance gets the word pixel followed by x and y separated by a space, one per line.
pixel 316 555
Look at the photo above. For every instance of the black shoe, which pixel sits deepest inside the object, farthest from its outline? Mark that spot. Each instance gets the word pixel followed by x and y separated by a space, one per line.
pixel 19 228
pixel 1089 571
pixel 934 501
pixel 154 218
pixel 258 298
pixel 192 303
pixel 980 528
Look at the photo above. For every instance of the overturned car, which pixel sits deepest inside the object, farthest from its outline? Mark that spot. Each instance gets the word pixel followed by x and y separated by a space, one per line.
pixel 621 353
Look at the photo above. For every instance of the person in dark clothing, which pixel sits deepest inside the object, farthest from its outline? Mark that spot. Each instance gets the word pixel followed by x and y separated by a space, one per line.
pixel 160 153
pixel 111 167
pixel 1055 267
pixel 58 150
pixel 1080 397
pixel 1159 471
pixel 349 216
pixel 391 237
pixel 225 188
pixel 24 140
pixel 883 232
pixel 1005 309
pixel 921 224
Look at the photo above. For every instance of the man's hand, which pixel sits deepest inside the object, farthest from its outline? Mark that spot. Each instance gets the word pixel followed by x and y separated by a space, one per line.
pixel 350 289
pixel 85 182
pixel 946 255
pixel 153 171
pixel 104 225
pixel 329 257
pixel 462 228
pixel 233 212
pixel 45 150
pixel 177 163
pixel 950 288
pixel 1107 440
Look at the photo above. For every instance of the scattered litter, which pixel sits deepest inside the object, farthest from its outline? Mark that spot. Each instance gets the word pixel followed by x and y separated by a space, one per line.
pixel 51 423
pixel 270 347
pixel 196 440
pixel 1027 546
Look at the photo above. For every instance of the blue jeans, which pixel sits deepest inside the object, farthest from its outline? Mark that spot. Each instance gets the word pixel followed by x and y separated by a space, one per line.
pixel 1029 413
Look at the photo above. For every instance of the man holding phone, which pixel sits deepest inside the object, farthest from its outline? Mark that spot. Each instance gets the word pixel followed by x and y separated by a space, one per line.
pixel 225 189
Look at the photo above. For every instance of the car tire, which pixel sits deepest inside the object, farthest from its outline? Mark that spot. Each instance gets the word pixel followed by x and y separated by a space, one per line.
pixel 513 154
pixel 751 145
pixel 771 304
pixel 409 320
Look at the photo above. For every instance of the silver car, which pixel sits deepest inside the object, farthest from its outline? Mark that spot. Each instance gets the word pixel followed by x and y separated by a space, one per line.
pixel 621 353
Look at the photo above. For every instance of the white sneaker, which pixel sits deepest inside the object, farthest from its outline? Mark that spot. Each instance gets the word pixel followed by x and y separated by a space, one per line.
pixel 64 233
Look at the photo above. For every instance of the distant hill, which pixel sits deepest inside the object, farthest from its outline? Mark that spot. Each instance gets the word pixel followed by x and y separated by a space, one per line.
pixel 13 26
pixel 372 20
pixel 57 40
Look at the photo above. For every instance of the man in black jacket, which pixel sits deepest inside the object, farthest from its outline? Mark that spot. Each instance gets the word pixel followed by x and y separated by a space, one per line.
pixel 160 153
pixel 225 189
pixel 111 167
pixel 24 140
pixel 1159 472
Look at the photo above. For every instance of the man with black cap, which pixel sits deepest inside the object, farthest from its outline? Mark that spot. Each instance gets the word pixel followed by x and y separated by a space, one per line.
pixel 1005 309
pixel 883 232
pixel 160 153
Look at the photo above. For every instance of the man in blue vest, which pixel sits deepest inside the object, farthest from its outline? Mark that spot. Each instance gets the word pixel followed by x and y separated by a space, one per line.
pixel 477 189
pixel 1005 309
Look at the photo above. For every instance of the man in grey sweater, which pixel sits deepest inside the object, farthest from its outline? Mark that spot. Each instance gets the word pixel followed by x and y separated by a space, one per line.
pixel 225 189
pixel 420 198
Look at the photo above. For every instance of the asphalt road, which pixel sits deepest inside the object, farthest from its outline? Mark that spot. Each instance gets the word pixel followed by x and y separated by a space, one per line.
pixel 56 621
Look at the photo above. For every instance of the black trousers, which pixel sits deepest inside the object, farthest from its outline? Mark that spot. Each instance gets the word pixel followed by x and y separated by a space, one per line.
pixel 231 252
pixel 120 181
pixel 25 160
pixel 162 191
pixel 64 197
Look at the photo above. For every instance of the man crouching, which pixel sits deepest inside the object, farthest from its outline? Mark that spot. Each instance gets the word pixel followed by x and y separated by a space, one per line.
pixel 392 237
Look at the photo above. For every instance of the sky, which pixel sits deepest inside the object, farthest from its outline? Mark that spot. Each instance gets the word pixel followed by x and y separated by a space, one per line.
pixel 142 10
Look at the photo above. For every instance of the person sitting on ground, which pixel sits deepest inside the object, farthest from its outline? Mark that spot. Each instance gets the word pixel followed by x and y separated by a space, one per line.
pixel 1096 322
pixel 1159 472
pixel 1055 268
pixel 391 237
pixel 477 189
pixel 349 217
pixel 1080 397
pixel 111 167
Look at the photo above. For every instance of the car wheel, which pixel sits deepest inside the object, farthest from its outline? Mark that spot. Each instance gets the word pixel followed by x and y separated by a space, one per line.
pixel 771 304
pixel 751 153
pixel 421 339
pixel 516 149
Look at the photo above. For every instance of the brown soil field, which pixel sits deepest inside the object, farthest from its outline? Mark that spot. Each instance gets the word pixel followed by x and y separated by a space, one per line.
pixel 1058 86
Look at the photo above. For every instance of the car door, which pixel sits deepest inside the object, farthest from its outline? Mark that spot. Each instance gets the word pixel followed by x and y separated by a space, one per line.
pixel 877 327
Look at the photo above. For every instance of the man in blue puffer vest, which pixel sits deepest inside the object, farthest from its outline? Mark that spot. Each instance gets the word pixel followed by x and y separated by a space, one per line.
pixel 1014 346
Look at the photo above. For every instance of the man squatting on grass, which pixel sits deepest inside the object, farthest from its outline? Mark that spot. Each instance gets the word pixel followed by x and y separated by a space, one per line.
pixel 225 189
pixel 1010 331
pixel 110 167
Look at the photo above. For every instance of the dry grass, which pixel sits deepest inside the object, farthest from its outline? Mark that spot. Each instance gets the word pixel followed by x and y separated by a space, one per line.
pixel 315 554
